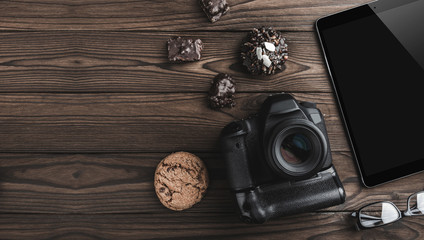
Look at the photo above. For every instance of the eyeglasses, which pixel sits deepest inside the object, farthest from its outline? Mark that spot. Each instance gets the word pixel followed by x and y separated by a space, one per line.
pixel 382 213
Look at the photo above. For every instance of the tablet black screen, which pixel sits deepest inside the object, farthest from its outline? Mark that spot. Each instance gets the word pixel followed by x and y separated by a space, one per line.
pixel 377 65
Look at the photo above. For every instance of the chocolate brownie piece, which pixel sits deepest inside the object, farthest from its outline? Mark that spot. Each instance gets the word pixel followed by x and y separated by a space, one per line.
pixel 184 50
pixel 264 52
pixel 222 92
pixel 214 9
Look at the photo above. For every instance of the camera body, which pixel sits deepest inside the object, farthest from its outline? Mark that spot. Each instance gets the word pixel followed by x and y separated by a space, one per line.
pixel 279 161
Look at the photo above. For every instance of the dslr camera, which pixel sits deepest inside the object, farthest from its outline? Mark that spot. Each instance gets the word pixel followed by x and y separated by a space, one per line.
pixel 279 161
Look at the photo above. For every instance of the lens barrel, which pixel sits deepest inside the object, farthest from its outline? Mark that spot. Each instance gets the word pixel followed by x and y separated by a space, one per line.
pixel 297 149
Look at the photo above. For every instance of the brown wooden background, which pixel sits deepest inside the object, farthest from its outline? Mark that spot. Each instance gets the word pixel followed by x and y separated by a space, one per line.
pixel 89 105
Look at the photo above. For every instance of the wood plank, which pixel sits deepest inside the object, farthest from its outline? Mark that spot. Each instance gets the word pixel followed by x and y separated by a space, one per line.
pixel 123 183
pixel 163 15
pixel 131 122
pixel 99 61
pixel 334 226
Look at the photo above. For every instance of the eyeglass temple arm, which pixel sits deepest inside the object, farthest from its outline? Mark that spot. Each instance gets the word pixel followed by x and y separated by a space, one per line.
pixel 410 211
pixel 365 216
pixel 407 213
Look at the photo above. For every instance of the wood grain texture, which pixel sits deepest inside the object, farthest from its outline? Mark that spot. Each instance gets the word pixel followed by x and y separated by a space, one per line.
pixel 99 61
pixel 123 183
pixel 131 122
pixel 89 105
pixel 163 15
pixel 329 226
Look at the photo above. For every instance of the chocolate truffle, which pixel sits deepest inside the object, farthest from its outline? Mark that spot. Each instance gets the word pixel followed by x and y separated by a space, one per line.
pixel 264 51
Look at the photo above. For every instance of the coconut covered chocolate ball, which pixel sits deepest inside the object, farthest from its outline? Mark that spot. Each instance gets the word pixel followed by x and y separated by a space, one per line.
pixel 264 51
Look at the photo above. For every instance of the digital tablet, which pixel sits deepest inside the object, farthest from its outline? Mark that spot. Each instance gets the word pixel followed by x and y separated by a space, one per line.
pixel 375 57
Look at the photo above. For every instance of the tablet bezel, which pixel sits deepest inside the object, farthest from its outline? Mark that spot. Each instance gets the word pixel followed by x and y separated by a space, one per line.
pixel 341 18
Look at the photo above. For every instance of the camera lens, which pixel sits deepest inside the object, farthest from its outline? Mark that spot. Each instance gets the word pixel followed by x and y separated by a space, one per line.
pixel 296 148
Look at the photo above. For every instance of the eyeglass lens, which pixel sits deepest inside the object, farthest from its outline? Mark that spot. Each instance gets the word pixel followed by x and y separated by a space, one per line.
pixel 378 214
pixel 416 204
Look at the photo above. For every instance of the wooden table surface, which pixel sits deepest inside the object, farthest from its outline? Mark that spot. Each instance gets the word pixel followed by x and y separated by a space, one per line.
pixel 89 105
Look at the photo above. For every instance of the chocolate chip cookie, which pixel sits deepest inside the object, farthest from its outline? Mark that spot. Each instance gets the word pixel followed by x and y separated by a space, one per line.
pixel 181 180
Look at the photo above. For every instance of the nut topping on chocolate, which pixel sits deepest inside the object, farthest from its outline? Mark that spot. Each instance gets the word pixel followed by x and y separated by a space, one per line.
pixel 264 52
pixel 259 53
pixel 266 61
pixel 222 92
pixel 269 46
